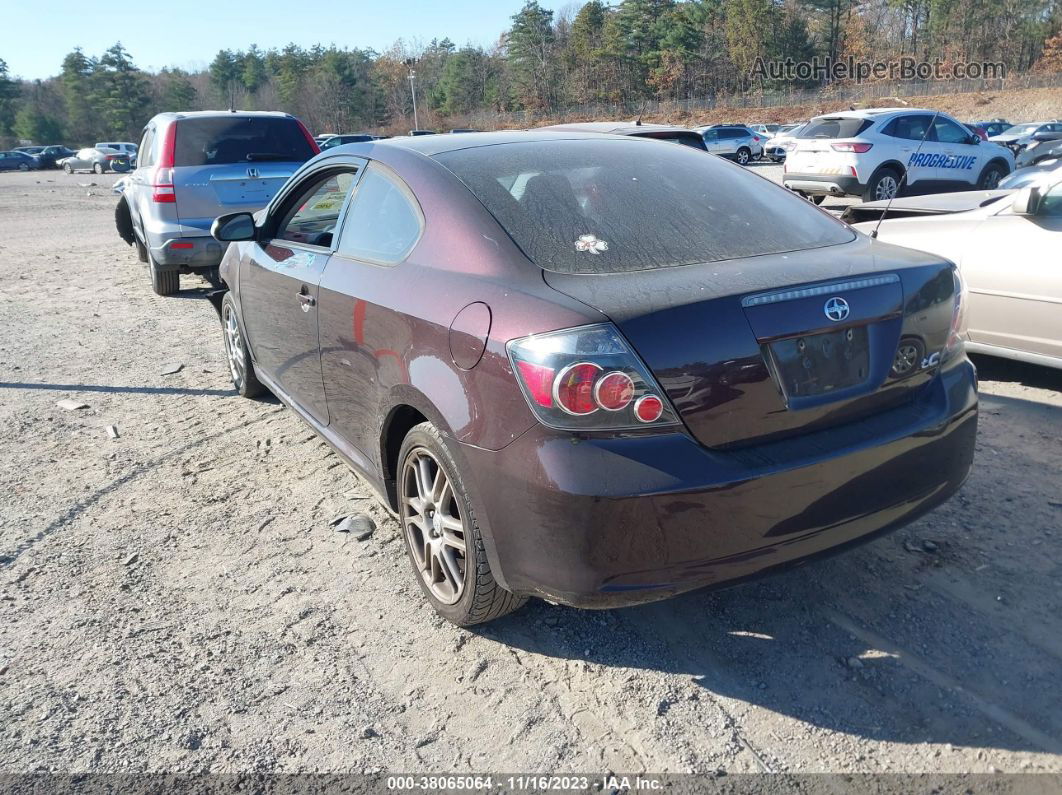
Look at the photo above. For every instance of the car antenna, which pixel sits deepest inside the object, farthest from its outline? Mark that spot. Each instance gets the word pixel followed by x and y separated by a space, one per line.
pixel 899 185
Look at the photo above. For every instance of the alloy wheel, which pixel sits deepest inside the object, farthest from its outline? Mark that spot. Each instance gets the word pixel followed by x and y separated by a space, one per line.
pixel 886 187
pixel 434 526
pixel 991 181
pixel 234 347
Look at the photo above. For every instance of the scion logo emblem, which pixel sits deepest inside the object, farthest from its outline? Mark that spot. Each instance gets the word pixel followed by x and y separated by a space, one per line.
pixel 252 173
pixel 836 309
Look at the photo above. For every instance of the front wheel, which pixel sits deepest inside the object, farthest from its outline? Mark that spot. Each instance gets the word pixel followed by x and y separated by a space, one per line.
pixel 990 177
pixel 884 185
pixel 442 535
pixel 240 368
pixel 743 156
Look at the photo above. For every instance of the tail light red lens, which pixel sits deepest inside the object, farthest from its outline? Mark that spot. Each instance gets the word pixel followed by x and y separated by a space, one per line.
pixel 851 146
pixel 586 379
pixel 614 391
pixel 162 190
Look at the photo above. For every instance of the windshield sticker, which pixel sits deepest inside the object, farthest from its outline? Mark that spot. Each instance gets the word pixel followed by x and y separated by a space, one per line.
pixel 590 243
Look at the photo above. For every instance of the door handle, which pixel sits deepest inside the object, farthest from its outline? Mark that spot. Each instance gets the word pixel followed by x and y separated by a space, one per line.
pixel 306 300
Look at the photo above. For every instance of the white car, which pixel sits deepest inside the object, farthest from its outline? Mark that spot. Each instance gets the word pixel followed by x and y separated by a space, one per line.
pixel 880 152
pixel 126 148
pixel 778 144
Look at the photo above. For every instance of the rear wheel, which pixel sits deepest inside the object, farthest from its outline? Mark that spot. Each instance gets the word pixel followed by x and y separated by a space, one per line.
pixel 744 154
pixel 240 368
pixel 23 167
pixel 885 184
pixel 163 282
pixel 990 177
pixel 69 169
pixel 442 535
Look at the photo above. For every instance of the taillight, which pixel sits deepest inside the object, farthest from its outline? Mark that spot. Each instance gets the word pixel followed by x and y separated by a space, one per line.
pixel 162 180
pixel 309 138
pixel 849 146
pixel 588 379
pixel 958 316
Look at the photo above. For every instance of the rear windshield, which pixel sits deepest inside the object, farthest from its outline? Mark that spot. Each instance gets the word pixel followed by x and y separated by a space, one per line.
pixel 240 139
pixel 684 137
pixel 842 127
pixel 611 206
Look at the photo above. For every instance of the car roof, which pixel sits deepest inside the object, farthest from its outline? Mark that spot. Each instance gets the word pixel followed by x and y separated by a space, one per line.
pixel 614 127
pixel 872 113
pixel 432 145
pixel 215 114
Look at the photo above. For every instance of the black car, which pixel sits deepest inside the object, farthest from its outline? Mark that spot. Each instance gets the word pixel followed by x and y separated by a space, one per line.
pixel 49 156
pixel 18 161
pixel 351 138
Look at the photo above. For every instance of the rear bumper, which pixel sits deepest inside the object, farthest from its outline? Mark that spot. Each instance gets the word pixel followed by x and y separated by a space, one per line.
pixel 831 184
pixel 617 521
pixel 172 252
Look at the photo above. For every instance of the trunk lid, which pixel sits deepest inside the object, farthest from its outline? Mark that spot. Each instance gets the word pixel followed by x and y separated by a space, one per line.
pixel 745 349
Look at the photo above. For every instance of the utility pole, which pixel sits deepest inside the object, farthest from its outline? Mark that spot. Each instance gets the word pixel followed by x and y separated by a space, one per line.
pixel 413 90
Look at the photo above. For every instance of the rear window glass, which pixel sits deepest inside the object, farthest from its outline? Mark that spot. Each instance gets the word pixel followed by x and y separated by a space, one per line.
pixel 597 206
pixel 240 139
pixel 827 127
pixel 685 138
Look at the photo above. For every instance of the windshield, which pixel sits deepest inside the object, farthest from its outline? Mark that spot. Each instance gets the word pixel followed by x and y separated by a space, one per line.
pixel 239 139
pixel 611 206
pixel 834 127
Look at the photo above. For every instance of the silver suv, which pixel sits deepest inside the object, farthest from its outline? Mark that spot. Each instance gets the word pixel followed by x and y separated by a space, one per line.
pixel 734 141
pixel 193 167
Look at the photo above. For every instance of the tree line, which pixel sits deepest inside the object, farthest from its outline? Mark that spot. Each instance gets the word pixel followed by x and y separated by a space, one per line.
pixel 546 61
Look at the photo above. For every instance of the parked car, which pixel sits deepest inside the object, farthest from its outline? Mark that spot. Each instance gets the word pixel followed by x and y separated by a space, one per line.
pixel 989 128
pixel 50 156
pixel 422 132
pixel 624 370
pixel 196 166
pixel 464 130
pixel 1039 174
pixel 765 131
pixel 29 150
pixel 1042 147
pixel 976 131
pixel 734 141
pixel 95 160
pixel 320 139
pixel 776 146
pixel 1006 245
pixel 657 132
pixel 18 161
pixel 126 148
pixel 351 138
pixel 1019 136
pixel 880 152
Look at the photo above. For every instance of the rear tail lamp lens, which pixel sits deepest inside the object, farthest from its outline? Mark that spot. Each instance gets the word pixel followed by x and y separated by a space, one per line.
pixel 849 146
pixel 588 379
pixel 162 186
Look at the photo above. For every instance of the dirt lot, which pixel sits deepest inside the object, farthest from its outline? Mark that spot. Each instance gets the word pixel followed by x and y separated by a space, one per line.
pixel 175 600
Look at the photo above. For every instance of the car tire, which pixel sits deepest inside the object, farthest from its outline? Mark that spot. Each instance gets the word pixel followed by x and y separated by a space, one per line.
pixel 884 184
pixel 23 167
pixel 438 551
pixel 163 283
pixel 817 199
pixel 97 168
pixel 69 169
pixel 990 177
pixel 241 369
pixel 742 156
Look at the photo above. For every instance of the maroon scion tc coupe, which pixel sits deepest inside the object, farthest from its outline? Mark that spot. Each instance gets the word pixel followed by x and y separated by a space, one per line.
pixel 597 369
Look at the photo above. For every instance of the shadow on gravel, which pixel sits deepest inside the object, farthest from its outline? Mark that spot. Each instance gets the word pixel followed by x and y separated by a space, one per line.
pixel 992 368
pixel 853 645
pixel 139 390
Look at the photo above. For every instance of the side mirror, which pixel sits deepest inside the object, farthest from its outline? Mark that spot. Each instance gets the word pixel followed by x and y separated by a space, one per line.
pixel 234 226
pixel 1027 202
pixel 974 139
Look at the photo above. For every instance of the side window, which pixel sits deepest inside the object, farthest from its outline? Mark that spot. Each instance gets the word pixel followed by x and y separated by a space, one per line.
pixel 384 221
pixel 1051 203
pixel 145 147
pixel 911 128
pixel 948 132
pixel 312 217
pixel 711 135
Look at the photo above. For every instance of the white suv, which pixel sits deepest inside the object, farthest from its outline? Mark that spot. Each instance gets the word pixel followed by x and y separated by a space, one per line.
pixel 877 153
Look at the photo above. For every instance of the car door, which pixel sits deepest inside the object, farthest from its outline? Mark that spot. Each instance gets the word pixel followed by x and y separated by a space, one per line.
pixel 364 340
pixel 961 161
pixel 917 148
pixel 279 280
pixel 1014 276
pixel 711 140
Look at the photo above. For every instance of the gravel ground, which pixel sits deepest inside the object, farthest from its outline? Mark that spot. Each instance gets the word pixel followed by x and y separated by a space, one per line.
pixel 174 599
